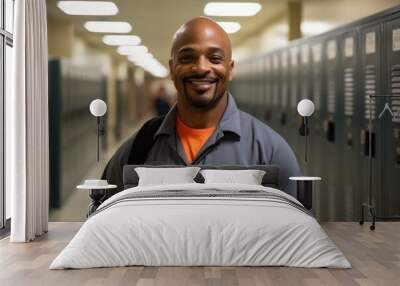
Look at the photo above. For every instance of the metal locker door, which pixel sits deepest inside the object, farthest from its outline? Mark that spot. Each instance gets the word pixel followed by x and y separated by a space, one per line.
pixel 267 90
pixel 284 94
pixel 237 88
pixel 316 166
pixel 253 87
pixel 370 83
pixel 294 90
pixel 260 87
pixel 275 92
pixel 333 129
pixel 305 79
pixel 390 203
pixel 250 84
pixel 351 149
pixel 305 71
pixel 246 86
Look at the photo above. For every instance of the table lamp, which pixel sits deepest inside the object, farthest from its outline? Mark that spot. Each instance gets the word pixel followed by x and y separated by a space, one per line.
pixel 98 108
pixel 305 108
pixel 97 188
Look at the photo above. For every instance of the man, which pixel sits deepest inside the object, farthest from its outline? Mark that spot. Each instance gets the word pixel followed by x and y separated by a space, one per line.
pixel 205 126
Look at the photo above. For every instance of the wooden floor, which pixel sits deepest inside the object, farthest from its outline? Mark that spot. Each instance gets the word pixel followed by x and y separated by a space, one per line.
pixel 375 256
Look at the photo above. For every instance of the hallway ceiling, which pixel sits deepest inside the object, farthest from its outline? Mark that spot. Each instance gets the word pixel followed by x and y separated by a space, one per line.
pixel 155 21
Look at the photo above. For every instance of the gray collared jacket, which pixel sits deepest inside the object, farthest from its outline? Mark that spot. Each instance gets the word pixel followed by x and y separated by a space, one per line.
pixel 239 139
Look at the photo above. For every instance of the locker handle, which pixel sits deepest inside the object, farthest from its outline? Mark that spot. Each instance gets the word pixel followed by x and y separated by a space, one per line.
pixel 283 119
pixel 365 142
pixel 329 127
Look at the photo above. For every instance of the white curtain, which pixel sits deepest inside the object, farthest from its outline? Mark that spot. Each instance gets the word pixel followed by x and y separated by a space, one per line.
pixel 27 143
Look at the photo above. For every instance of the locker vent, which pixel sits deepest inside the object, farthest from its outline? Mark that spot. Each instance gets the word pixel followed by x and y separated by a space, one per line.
pixel 348 92
pixel 370 88
pixel 396 91
pixel 331 92
pixel 317 90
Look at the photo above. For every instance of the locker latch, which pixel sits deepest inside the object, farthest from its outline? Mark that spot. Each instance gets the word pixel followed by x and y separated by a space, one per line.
pixel 283 119
pixel 329 128
pixel 365 143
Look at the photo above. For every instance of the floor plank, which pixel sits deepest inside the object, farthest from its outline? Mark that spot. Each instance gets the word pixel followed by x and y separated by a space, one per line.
pixel 375 257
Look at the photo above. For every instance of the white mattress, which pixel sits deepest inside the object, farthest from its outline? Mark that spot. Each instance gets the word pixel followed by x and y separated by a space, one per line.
pixel 183 231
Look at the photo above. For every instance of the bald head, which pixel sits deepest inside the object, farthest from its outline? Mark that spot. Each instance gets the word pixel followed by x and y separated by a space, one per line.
pixel 200 29
pixel 201 67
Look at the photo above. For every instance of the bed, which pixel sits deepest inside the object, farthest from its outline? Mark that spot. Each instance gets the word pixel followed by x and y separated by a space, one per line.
pixel 201 224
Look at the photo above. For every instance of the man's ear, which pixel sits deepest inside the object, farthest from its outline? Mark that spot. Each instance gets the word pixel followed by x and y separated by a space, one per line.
pixel 231 65
pixel 171 74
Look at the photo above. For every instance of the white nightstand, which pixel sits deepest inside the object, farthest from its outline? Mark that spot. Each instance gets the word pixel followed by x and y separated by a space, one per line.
pixel 97 190
pixel 305 189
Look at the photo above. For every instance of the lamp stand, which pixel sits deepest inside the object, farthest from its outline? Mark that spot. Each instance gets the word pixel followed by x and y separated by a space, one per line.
pixel 99 132
pixel 305 118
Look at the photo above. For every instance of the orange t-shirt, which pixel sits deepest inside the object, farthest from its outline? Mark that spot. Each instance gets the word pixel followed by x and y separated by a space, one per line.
pixel 192 139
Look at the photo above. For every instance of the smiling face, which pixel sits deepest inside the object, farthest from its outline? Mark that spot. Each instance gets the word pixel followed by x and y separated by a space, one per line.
pixel 201 64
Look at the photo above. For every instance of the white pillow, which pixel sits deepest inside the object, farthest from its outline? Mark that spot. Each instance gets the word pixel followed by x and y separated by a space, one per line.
pixel 248 177
pixel 162 176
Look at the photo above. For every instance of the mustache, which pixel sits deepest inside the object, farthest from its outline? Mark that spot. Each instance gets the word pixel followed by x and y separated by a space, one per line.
pixel 200 77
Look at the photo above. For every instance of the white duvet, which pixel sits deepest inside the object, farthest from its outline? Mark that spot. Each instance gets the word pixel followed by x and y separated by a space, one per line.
pixel 182 231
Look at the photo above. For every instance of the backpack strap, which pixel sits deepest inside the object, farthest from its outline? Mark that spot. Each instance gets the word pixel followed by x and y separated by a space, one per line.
pixel 144 140
pixel 140 146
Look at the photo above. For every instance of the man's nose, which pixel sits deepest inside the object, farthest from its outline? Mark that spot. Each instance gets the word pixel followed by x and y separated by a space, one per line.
pixel 202 65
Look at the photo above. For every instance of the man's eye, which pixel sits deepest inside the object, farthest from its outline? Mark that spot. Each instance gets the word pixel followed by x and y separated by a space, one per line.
pixel 185 59
pixel 216 59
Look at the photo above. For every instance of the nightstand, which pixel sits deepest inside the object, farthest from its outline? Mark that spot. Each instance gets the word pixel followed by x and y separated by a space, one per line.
pixel 305 189
pixel 97 190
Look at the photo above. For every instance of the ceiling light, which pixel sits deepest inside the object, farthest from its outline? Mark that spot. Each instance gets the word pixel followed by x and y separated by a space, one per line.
pixel 314 28
pixel 132 50
pixel 232 8
pixel 137 57
pixel 121 40
pixel 88 8
pixel 230 27
pixel 150 64
pixel 108 27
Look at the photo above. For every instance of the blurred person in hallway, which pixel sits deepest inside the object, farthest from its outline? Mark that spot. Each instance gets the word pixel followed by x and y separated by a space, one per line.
pixel 205 127
pixel 161 100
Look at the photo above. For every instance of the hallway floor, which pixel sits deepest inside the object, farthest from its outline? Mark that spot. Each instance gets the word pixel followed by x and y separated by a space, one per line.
pixel 374 255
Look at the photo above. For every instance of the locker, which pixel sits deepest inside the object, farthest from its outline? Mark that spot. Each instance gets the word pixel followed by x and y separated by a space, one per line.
pixel 275 92
pixel 294 97
pixel 350 146
pixel 284 94
pixel 248 84
pixel 305 71
pixel 338 70
pixel 334 129
pixel 72 129
pixel 371 83
pixel 305 79
pixel 391 124
pixel 251 86
pixel 316 93
pixel 258 67
pixel 268 89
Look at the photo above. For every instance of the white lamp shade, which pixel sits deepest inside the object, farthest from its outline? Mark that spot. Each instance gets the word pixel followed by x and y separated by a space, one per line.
pixel 98 107
pixel 305 107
